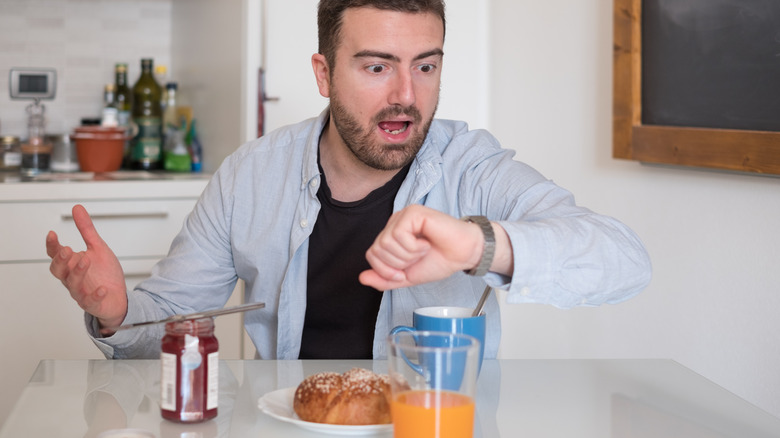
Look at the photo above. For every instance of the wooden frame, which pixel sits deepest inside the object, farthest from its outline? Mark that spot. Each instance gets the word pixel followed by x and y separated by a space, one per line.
pixel 727 149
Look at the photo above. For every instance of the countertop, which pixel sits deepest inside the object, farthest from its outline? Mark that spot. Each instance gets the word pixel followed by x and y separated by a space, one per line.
pixel 617 398
pixel 88 185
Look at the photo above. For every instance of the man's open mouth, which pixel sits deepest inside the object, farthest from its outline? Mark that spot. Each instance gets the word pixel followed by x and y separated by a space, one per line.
pixel 394 128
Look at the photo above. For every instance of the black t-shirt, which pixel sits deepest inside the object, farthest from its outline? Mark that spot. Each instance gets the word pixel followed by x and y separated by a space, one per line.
pixel 341 312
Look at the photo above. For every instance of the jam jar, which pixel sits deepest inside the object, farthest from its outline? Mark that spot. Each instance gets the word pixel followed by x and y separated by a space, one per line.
pixel 189 383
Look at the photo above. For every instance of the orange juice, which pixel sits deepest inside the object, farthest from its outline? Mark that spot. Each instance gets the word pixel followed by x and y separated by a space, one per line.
pixel 415 416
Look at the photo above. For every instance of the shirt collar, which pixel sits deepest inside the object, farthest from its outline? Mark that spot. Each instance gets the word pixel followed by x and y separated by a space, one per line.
pixel 311 170
pixel 425 171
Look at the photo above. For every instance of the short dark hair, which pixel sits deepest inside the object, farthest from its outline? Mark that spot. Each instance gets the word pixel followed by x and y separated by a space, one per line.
pixel 330 14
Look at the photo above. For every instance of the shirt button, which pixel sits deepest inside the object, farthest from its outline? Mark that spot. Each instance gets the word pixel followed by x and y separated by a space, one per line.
pixel 314 183
pixel 525 291
pixel 304 223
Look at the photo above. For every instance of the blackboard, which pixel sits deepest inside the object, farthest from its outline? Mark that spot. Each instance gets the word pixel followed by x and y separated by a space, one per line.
pixel 711 63
pixel 697 83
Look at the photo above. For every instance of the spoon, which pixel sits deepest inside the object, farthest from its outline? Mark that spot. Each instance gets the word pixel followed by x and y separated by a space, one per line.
pixel 481 302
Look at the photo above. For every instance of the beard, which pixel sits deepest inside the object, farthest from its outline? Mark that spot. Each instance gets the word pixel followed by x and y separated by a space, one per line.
pixel 362 140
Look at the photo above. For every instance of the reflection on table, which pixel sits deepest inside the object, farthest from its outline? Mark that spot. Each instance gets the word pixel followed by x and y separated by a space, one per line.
pixel 550 398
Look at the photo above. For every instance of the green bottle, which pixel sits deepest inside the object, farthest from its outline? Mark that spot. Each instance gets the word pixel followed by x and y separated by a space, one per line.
pixel 124 105
pixel 146 148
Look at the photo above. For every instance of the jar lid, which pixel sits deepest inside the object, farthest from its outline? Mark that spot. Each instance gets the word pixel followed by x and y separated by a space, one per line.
pixel 9 139
pixel 201 326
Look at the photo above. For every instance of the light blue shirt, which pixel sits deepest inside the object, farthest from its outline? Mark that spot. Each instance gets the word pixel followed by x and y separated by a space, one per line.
pixel 254 218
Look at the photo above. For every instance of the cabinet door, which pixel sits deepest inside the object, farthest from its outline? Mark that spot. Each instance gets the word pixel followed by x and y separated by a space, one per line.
pixel 130 228
pixel 289 35
pixel 39 321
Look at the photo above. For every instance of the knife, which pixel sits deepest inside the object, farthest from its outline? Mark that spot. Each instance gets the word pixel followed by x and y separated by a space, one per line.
pixel 196 315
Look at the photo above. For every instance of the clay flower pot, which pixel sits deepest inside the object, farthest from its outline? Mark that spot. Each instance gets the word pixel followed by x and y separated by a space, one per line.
pixel 100 148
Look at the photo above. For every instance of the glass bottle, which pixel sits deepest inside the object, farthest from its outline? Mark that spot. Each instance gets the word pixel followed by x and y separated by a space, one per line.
pixel 189 384
pixel 36 151
pixel 161 76
pixel 110 114
pixel 170 122
pixel 177 157
pixel 146 149
pixel 195 148
pixel 123 97
pixel 124 105
pixel 10 153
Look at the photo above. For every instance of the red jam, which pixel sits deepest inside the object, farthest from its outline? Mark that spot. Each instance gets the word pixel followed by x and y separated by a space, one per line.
pixel 189 381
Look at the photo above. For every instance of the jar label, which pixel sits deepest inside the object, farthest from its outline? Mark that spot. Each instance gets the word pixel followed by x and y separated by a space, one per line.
pixel 12 159
pixel 213 381
pixel 168 382
pixel 147 144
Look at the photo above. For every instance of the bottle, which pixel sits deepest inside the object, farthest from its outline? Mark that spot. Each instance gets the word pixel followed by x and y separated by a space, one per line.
pixel 10 153
pixel 123 97
pixel 189 379
pixel 124 105
pixel 146 149
pixel 195 148
pixel 170 121
pixel 36 151
pixel 177 158
pixel 161 76
pixel 110 115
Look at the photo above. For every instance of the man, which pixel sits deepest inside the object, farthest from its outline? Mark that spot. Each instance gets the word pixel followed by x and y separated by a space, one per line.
pixel 318 217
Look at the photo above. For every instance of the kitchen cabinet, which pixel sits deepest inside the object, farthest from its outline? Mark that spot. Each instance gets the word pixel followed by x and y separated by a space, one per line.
pixel 138 219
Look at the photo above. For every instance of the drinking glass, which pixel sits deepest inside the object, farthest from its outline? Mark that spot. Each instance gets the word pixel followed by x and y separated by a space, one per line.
pixel 448 319
pixel 433 379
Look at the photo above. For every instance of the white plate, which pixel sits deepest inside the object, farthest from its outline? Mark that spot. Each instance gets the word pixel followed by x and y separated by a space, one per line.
pixel 279 404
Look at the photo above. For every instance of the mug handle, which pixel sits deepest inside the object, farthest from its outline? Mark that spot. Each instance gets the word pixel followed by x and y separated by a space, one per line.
pixel 404 328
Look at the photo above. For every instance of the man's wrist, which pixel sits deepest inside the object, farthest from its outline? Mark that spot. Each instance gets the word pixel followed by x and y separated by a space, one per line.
pixel 488 249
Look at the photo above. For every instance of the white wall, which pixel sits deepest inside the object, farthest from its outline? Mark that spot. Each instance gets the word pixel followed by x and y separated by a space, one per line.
pixel 292 39
pixel 713 237
pixel 82 41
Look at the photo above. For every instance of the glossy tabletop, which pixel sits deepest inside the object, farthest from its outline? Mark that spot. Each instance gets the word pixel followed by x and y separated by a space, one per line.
pixel 516 398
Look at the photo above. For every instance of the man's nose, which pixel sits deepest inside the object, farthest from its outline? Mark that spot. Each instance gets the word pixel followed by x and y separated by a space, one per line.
pixel 402 92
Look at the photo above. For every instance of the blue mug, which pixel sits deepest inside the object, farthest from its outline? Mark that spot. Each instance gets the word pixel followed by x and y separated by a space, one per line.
pixel 445 361
pixel 456 320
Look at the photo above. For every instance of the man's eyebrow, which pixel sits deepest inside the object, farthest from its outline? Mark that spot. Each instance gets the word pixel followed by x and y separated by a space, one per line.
pixel 391 57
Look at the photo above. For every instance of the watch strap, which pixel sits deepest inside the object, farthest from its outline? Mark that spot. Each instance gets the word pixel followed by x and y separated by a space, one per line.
pixel 488 250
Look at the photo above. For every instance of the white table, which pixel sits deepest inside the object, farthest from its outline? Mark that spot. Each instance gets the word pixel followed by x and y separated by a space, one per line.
pixel 516 398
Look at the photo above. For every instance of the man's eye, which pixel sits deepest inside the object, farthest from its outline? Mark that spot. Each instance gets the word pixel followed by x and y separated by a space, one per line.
pixel 427 68
pixel 376 68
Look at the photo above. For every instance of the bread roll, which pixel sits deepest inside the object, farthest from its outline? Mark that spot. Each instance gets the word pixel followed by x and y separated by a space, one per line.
pixel 357 397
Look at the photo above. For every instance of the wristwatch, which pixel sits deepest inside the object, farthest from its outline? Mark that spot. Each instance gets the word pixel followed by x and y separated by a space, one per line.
pixel 488 251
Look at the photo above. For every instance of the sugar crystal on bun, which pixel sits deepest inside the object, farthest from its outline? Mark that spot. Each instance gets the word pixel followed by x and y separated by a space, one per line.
pixel 356 397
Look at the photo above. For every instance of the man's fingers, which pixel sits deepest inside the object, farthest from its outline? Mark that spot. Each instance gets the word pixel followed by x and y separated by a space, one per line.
pixel 60 263
pixel 74 279
pixel 372 279
pixel 86 227
pixel 385 270
pixel 52 244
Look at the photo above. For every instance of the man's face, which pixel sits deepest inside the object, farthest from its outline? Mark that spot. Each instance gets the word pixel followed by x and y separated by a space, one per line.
pixel 384 87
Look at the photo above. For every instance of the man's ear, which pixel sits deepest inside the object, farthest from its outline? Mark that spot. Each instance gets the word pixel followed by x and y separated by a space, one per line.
pixel 321 73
